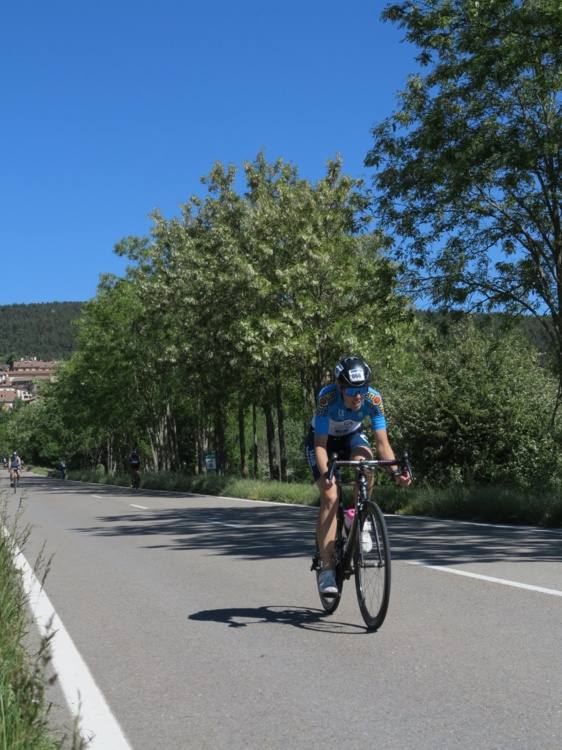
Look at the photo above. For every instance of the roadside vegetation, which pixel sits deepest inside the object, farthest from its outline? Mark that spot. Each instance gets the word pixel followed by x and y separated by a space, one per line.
pixel 24 710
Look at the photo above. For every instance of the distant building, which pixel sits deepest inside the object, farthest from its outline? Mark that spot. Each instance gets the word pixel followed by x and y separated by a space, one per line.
pixel 9 396
pixel 29 370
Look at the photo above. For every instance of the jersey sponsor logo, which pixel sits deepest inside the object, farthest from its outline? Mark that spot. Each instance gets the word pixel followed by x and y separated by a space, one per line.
pixel 375 400
pixel 324 401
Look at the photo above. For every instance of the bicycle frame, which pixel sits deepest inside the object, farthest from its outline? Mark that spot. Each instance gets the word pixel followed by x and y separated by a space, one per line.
pixel 361 501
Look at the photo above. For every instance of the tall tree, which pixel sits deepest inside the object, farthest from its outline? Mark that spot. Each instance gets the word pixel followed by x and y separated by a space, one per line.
pixel 470 166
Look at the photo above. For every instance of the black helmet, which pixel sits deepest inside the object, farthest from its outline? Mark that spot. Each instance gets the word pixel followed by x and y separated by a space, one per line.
pixel 352 372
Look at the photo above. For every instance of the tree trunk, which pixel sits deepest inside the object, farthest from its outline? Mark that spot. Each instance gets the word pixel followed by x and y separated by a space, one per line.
pixel 171 439
pixel 271 452
pixel 281 425
pixel 255 440
pixel 242 439
pixel 220 441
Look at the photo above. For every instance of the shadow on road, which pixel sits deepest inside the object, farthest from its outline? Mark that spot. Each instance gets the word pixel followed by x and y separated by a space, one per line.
pixel 262 531
pixel 298 617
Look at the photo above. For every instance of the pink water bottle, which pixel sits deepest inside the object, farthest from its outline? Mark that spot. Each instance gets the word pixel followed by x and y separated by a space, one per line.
pixel 348 516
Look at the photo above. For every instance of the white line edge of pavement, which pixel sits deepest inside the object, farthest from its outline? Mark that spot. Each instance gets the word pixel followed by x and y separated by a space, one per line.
pixel 489 579
pixel 98 725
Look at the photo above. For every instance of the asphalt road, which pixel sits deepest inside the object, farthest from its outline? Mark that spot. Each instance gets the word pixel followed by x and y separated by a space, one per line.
pixel 199 620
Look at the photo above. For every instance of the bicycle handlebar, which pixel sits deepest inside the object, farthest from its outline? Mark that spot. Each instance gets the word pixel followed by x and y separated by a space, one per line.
pixel 372 463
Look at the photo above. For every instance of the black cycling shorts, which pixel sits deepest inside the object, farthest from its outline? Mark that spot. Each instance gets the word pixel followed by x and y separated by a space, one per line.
pixel 343 445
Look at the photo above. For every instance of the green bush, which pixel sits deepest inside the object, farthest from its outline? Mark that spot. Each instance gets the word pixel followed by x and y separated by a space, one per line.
pixel 475 406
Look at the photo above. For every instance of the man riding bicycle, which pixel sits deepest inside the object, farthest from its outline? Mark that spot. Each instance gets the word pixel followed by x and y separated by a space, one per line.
pixel 336 427
pixel 134 467
pixel 15 467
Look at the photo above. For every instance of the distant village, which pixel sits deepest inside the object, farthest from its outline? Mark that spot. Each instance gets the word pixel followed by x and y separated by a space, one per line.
pixel 18 381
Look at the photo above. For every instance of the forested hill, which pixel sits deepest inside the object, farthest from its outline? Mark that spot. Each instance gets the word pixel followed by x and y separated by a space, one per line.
pixel 42 330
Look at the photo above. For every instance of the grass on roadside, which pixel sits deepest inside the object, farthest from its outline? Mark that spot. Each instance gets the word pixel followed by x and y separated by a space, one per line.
pixel 470 503
pixel 24 710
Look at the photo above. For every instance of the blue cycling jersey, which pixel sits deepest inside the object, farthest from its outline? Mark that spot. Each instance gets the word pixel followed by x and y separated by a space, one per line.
pixel 332 417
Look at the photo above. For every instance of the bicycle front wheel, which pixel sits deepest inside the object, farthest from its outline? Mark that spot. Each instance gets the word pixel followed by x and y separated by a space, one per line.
pixel 372 567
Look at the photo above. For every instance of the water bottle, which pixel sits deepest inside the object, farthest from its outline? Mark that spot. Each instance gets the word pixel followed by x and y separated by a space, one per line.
pixel 348 516
pixel 366 541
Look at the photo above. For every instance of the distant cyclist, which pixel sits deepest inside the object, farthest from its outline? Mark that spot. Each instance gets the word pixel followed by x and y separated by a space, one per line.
pixel 15 467
pixel 62 468
pixel 337 427
pixel 134 467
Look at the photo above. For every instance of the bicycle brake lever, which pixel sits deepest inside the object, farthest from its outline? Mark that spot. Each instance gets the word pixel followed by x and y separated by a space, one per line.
pixel 405 465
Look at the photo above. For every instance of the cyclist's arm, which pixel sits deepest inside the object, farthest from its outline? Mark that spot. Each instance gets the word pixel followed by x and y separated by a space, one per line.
pixel 385 452
pixel 321 453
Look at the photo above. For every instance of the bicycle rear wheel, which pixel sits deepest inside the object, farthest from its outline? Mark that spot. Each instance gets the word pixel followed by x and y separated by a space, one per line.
pixel 372 567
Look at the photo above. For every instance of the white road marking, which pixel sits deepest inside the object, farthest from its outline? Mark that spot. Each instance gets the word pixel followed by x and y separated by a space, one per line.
pixel 141 507
pixel 98 725
pixel 98 497
pixel 490 579
pixel 231 525
pixel 451 521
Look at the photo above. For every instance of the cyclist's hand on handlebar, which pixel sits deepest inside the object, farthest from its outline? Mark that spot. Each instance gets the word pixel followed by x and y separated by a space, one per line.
pixel 404 479
pixel 327 479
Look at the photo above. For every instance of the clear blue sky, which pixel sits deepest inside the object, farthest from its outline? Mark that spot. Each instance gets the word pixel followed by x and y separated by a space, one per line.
pixel 112 108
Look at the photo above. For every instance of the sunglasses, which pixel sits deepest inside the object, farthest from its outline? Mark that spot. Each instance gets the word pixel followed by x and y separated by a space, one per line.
pixel 360 390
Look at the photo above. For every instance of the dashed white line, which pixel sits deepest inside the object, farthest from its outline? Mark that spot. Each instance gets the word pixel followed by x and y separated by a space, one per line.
pixel 98 725
pixel 490 579
pixel 98 497
pixel 140 507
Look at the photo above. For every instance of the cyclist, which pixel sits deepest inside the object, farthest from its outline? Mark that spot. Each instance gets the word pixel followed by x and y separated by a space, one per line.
pixel 134 467
pixel 336 427
pixel 15 467
pixel 62 468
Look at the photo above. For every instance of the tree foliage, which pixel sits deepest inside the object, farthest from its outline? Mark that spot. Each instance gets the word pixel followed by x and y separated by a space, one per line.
pixel 239 306
pixel 469 169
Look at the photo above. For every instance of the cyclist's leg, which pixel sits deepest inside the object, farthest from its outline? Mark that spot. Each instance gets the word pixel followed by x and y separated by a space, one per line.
pixel 327 523
pixel 326 526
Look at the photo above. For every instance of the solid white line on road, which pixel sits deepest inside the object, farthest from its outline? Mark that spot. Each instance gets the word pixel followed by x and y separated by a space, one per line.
pixel 98 725
pixel 490 579
pixel 452 522
pixel 98 497
pixel 230 525
pixel 141 507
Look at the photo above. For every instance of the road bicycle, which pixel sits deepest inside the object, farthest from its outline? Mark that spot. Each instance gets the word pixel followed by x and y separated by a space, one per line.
pixel 363 550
